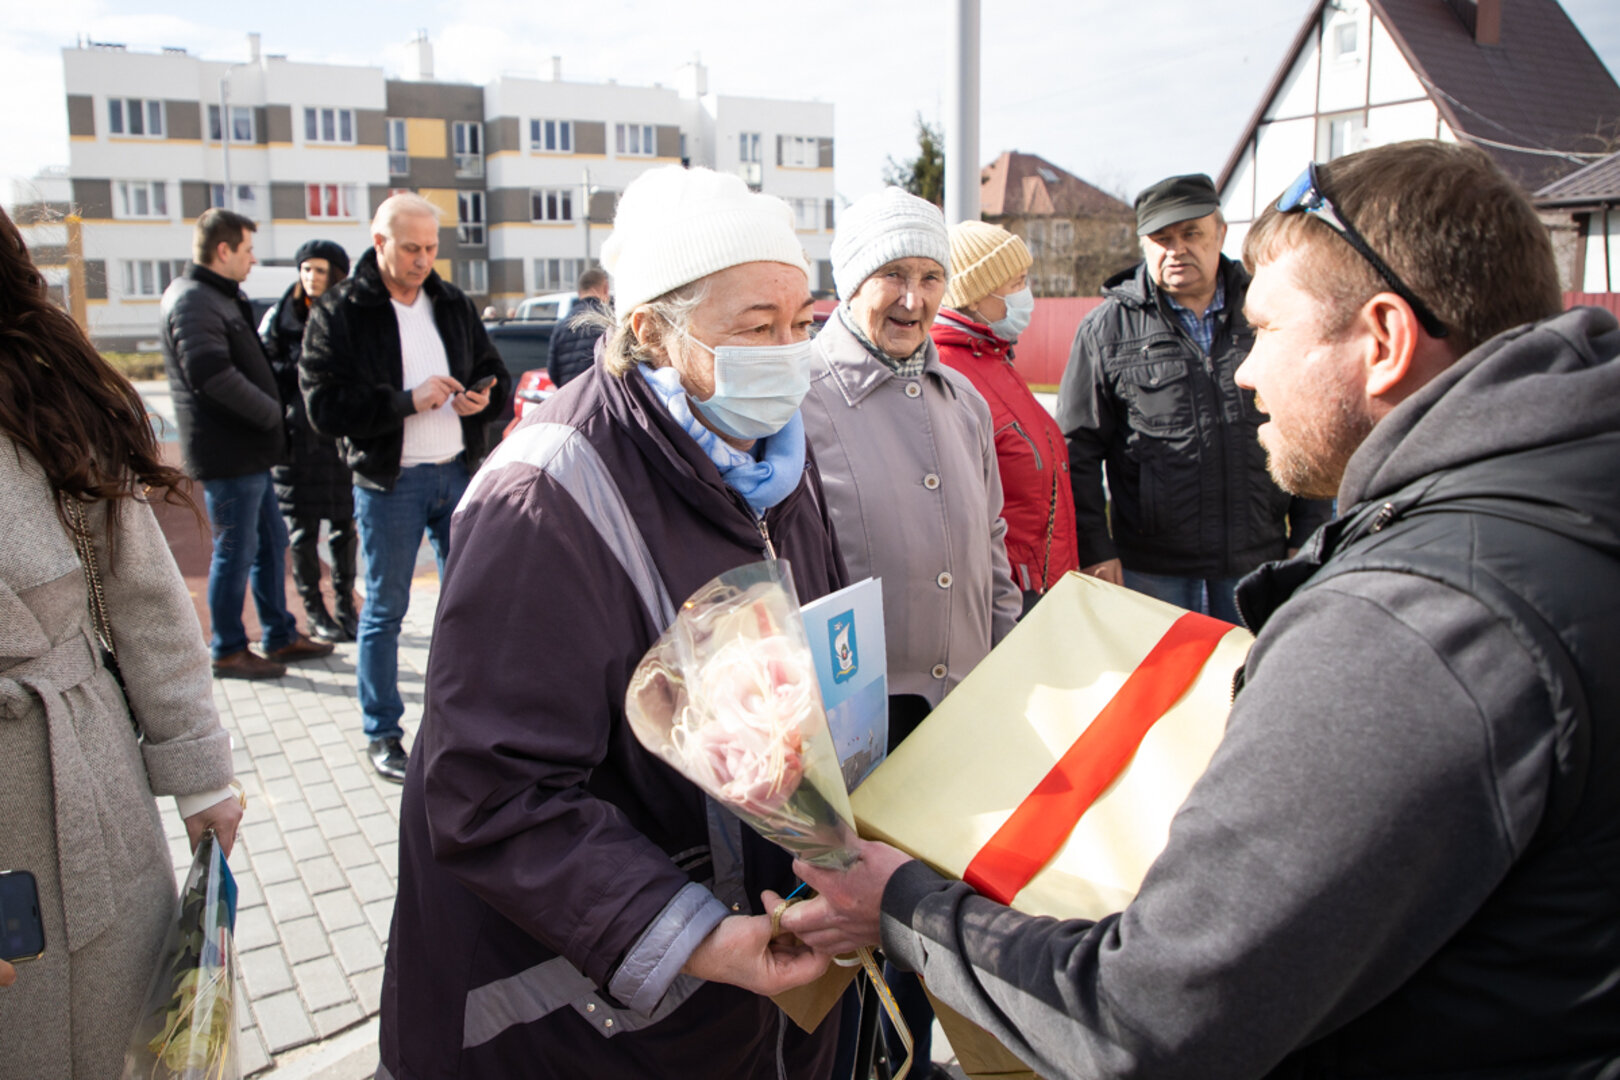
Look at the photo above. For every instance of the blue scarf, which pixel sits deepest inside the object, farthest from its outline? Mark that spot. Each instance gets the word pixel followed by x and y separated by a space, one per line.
pixel 763 482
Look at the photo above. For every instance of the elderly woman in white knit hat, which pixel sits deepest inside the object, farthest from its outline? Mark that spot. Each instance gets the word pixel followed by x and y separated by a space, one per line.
pixel 907 454
pixel 988 303
pixel 568 905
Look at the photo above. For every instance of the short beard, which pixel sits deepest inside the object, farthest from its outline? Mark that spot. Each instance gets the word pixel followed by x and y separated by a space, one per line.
pixel 1311 463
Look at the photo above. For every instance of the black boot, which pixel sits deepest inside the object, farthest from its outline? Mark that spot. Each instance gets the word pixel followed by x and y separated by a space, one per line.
pixel 322 626
pixel 344 540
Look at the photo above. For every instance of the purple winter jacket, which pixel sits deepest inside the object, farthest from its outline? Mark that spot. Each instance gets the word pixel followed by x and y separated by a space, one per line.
pixel 553 875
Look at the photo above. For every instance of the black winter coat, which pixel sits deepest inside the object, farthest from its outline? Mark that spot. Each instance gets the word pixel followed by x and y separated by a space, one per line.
pixel 353 377
pixel 1186 472
pixel 554 874
pixel 315 484
pixel 225 399
pixel 573 348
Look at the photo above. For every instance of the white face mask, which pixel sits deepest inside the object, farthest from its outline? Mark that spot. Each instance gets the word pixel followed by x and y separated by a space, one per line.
pixel 1020 307
pixel 757 388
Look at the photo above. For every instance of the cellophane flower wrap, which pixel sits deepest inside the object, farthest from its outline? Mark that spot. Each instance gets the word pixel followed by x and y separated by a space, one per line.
pixel 728 697
pixel 188 1028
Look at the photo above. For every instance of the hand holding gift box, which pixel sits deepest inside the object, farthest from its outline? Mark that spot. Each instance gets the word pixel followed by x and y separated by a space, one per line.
pixel 1049 777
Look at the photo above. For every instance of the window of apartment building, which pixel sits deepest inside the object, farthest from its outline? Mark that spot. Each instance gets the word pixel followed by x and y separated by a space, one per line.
pixel 149 277
pixel 475 276
pixel 1063 236
pixel 551 204
pixel 470 217
pixel 748 147
pixel 467 138
pixel 328 125
pixel 557 275
pixel 330 200
pixel 399 162
pixel 142 198
pixel 247 198
pixel 1342 135
pixel 801 151
pixel 634 139
pixel 1035 238
pixel 135 116
pixel 551 136
pixel 804 213
pixel 241 123
pixel 1346 40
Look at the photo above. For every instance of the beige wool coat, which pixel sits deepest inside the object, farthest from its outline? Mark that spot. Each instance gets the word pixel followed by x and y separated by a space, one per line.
pixel 914 489
pixel 77 804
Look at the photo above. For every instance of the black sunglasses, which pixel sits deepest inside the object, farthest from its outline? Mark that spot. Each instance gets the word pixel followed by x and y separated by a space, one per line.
pixel 1305 196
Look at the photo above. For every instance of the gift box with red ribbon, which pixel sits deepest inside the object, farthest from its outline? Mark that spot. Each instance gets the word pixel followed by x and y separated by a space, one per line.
pixel 1047 780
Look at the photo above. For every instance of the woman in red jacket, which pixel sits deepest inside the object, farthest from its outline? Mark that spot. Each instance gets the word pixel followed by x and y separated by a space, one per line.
pixel 987 305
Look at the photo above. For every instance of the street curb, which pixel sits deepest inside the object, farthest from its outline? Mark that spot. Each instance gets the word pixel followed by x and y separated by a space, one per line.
pixel 351 1055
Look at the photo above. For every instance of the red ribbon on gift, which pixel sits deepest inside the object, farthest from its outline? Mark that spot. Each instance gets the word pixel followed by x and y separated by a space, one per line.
pixel 1046 817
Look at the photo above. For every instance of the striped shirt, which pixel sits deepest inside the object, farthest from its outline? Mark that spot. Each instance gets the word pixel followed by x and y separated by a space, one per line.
pixel 1201 328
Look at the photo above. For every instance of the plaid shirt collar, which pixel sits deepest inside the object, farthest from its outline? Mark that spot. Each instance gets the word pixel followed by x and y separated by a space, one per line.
pixel 1201 328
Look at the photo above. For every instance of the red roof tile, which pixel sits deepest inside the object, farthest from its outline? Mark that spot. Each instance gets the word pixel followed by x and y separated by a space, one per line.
pixel 1017 184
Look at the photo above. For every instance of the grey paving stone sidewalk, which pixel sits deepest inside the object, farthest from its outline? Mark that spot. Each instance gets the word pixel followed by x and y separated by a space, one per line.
pixel 318 852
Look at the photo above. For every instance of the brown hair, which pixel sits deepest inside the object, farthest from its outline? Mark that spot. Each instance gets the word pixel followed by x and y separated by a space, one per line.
pixel 217 226
pixel 66 406
pixel 1449 223
pixel 592 279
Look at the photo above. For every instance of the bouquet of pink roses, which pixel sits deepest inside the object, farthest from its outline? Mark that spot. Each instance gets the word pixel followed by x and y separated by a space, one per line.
pixel 728 697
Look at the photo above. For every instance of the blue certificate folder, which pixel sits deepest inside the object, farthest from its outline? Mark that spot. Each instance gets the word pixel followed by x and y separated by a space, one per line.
pixel 852 665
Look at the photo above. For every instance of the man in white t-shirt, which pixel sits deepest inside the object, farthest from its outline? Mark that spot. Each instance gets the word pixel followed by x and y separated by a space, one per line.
pixel 397 366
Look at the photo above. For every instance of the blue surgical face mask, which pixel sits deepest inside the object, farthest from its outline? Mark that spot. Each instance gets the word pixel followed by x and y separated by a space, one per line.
pixel 757 388
pixel 1020 306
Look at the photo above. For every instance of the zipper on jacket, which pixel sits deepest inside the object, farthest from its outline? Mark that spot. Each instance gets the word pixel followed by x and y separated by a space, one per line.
pixel 1022 434
pixel 765 534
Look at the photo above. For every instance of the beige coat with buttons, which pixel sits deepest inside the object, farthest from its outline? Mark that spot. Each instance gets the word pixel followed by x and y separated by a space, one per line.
pixel 76 788
pixel 909 467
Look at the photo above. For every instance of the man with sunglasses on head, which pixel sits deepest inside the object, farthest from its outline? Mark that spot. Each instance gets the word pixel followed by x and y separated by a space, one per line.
pixel 1404 858
pixel 1149 396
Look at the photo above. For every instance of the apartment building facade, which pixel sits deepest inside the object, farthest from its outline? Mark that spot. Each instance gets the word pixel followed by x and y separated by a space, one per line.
pixel 525 172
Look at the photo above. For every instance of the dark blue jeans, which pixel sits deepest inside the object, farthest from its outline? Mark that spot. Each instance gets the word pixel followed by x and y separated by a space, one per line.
pixel 1212 596
pixel 391 528
pixel 250 545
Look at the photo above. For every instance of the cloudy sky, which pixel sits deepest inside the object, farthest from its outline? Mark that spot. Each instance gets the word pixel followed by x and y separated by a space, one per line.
pixel 1119 93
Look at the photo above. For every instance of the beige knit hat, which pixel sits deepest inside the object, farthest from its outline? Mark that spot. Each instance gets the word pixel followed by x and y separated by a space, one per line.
pixel 984 257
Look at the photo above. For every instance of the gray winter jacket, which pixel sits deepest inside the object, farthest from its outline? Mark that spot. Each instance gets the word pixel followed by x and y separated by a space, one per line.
pixel 915 493
pixel 1396 864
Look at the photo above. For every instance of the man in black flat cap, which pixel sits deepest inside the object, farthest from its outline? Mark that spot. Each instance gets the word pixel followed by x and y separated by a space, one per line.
pixel 1148 395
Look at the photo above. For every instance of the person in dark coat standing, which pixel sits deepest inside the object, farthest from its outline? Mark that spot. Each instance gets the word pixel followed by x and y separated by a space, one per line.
pixel 314 486
pixel 573 342
pixel 229 414
pixel 569 906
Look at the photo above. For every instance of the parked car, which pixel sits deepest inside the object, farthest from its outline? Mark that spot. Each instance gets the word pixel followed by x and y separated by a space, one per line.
pixel 532 388
pixel 523 342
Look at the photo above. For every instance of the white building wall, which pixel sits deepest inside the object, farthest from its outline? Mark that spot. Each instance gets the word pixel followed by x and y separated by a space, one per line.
pixel 129 246
pixel 1349 88
pixel 810 185
pixel 1602 270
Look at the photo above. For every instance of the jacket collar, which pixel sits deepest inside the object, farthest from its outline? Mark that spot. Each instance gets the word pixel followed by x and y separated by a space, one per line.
pixel 368 287
pixel 856 372
pixel 1134 288
pixel 954 328
pixel 204 276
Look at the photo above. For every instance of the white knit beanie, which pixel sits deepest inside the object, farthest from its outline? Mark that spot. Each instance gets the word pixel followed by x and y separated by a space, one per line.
pixel 877 229
pixel 676 225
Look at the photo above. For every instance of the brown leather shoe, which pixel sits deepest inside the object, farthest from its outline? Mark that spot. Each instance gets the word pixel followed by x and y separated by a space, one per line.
pixel 247 664
pixel 300 648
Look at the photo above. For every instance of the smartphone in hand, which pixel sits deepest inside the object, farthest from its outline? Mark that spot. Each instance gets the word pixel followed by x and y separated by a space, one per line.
pixel 481 385
pixel 22 930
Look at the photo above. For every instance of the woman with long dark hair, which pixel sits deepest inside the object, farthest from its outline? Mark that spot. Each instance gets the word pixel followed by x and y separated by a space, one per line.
pixel 81 758
pixel 315 485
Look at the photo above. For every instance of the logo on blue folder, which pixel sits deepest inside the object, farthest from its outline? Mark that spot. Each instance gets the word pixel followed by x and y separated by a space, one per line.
pixel 846 658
